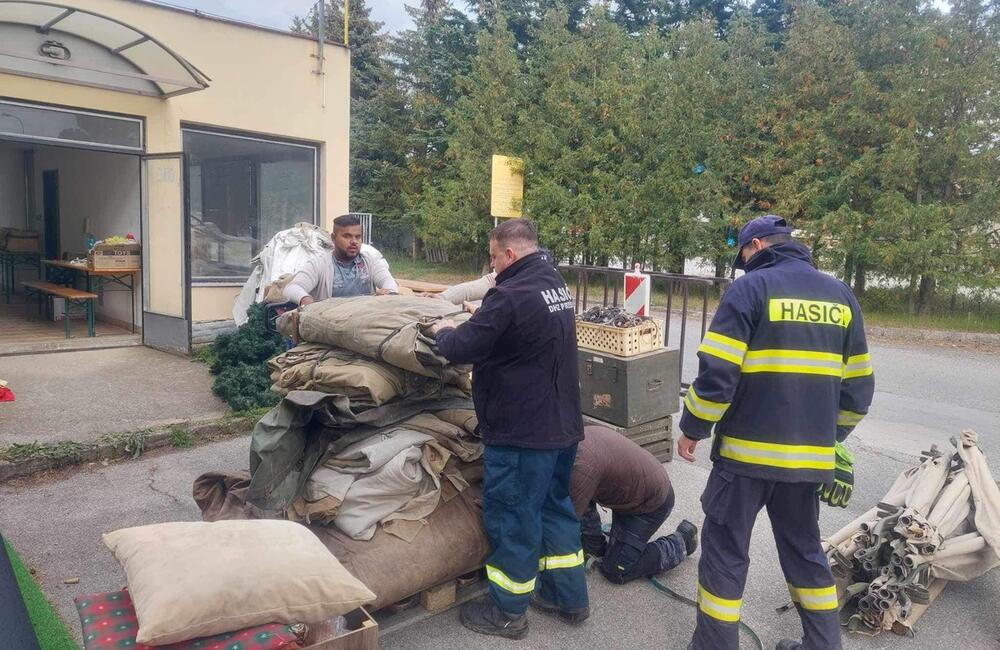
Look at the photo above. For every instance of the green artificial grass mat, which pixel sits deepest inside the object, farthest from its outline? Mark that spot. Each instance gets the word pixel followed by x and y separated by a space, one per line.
pixel 52 633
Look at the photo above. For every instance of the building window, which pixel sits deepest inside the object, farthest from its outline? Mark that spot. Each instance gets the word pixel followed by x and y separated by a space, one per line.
pixel 63 126
pixel 241 191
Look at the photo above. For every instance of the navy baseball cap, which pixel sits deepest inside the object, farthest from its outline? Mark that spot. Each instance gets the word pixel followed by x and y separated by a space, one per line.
pixel 769 224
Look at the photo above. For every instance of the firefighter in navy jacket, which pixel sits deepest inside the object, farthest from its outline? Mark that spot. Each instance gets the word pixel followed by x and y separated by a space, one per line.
pixel 522 344
pixel 784 376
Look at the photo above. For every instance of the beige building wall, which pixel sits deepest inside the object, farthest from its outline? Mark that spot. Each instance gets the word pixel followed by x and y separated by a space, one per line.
pixel 262 82
pixel 213 303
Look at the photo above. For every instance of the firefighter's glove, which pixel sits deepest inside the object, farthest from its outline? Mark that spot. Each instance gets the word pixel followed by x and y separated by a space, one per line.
pixel 839 492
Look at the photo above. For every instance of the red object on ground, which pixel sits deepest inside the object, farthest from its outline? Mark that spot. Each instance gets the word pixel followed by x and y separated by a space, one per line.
pixel 109 623
pixel 6 395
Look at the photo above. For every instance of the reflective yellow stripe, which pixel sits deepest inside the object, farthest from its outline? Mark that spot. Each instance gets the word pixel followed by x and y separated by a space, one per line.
pixel 723 347
pixel 560 561
pixel 811 312
pixel 859 365
pixel 500 579
pixel 754 452
pixel 848 418
pixel 794 361
pixel 722 609
pixel 704 409
pixel 818 599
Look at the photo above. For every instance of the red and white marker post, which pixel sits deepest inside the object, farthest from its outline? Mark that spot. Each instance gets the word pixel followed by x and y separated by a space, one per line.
pixel 637 286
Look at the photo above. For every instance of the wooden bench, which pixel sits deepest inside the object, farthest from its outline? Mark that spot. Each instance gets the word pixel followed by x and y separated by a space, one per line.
pixel 72 297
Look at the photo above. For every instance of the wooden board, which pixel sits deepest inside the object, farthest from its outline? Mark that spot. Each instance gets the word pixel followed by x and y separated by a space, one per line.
pixel 363 634
pixel 83 268
pixel 437 598
pixel 59 291
pixel 422 287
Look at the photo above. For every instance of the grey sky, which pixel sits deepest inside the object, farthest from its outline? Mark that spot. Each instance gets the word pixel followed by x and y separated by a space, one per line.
pixel 279 13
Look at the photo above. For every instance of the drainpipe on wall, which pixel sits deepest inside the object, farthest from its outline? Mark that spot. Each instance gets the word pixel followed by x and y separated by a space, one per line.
pixel 320 42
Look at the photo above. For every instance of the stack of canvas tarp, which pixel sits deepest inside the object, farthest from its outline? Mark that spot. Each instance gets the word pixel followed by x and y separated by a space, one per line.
pixel 940 521
pixel 373 445
pixel 395 477
pixel 391 329
pixel 368 383
pixel 372 352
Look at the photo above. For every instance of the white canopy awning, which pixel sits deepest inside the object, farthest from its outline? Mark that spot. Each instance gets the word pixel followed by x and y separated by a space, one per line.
pixel 53 41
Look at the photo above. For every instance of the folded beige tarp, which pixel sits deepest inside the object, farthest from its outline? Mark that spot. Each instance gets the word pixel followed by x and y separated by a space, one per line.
pixel 391 477
pixel 367 382
pixel 315 366
pixel 393 329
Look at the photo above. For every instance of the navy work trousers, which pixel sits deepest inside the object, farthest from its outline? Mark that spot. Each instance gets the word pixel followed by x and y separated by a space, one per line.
pixel 629 553
pixel 731 503
pixel 529 518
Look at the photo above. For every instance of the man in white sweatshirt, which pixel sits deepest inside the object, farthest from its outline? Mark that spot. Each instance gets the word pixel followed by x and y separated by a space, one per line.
pixel 354 269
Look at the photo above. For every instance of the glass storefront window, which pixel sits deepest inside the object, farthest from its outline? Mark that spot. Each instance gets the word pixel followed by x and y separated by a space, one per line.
pixel 241 191
pixel 51 125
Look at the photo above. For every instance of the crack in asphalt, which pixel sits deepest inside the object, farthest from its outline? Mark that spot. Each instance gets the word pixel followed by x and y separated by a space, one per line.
pixel 881 453
pixel 151 485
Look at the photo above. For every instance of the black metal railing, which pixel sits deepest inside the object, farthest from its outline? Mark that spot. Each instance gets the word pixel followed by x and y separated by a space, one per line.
pixel 678 287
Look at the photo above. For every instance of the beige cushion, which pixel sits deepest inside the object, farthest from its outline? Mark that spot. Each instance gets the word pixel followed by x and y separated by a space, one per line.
pixel 196 579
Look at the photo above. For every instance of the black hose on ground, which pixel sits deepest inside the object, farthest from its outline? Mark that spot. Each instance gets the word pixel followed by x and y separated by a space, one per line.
pixel 687 601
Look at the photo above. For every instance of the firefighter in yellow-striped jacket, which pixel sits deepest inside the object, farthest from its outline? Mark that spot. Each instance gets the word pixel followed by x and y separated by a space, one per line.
pixel 784 376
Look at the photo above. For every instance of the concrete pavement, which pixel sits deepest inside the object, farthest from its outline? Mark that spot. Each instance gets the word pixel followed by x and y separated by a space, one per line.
pixel 924 395
pixel 81 395
pixel 56 524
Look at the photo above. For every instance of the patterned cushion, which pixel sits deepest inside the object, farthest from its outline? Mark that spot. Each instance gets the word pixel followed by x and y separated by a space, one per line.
pixel 109 623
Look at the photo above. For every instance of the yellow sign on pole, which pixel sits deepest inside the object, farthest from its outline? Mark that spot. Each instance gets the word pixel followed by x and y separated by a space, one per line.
pixel 507 188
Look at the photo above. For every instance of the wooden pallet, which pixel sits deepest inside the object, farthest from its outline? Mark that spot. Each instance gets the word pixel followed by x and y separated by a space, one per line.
pixel 662 450
pixel 655 437
pixel 437 598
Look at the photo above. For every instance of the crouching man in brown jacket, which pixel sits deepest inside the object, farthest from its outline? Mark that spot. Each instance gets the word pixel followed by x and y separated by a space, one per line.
pixel 612 471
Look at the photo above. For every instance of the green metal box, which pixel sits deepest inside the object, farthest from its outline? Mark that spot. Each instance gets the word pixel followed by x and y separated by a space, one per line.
pixel 629 391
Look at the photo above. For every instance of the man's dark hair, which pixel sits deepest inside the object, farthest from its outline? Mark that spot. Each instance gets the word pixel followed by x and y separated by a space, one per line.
pixel 518 234
pixel 346 220
pixel 779 238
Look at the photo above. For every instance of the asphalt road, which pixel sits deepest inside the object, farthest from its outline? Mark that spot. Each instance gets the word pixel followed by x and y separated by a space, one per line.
pixel 925 395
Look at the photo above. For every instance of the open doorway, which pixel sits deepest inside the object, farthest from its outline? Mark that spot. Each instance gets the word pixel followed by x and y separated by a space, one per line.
pixel 55 202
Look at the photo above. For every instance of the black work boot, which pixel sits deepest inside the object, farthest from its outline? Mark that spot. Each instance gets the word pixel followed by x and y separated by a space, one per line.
pixel 594 545
pixel 789 644
pixel 571 616
pixel 690 534
pixel 485 617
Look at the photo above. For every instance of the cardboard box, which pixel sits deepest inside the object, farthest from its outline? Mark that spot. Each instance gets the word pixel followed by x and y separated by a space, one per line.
pixel 362 633
pixel 20 241
pixel 115 257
